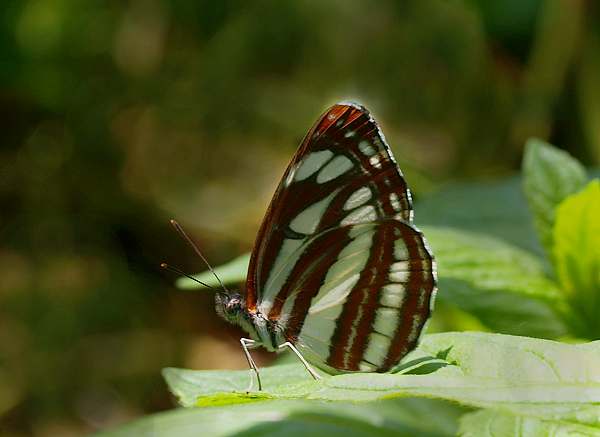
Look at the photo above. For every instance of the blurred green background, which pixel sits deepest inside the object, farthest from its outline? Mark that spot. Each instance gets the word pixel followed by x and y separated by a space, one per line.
pixel 119 115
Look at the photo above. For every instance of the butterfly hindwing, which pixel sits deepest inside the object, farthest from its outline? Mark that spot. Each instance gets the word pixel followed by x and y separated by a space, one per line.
pixel 342 174
pixel 360 295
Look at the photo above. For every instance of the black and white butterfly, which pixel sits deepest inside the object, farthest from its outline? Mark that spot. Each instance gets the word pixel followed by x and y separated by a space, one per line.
pixel 338 273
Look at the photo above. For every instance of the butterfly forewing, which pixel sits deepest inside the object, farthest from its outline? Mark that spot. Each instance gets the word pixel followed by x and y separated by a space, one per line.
pixel 343 173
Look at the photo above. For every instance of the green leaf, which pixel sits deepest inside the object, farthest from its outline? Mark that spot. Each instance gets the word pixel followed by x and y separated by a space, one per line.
pixel 493 423
pixel 403 417
pixel 503 286
pixel 520 375
pixel 232 272
pixel 550 175
pixel 211 385
pixel 497 208
pixel 577 256
pixel 488 264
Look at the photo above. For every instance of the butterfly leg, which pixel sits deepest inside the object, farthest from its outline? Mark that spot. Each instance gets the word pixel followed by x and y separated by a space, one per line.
pixel 248 344
pixel 310 370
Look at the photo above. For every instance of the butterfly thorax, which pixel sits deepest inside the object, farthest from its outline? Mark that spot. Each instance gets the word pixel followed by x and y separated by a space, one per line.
pixel 231 306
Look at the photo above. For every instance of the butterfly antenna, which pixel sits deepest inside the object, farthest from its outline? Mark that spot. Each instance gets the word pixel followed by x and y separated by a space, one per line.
pixel 185 236
pixel 182 273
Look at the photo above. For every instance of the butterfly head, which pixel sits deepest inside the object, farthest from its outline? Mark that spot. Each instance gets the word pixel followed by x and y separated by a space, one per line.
pixel 230 305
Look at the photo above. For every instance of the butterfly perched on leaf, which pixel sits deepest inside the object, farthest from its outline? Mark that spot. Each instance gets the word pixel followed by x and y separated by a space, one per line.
pixel 338 273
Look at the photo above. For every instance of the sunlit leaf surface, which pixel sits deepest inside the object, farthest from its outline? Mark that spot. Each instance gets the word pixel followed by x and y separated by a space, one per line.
pixel 577 256
pixel 540 378
pixel 526 386
pixel 494 423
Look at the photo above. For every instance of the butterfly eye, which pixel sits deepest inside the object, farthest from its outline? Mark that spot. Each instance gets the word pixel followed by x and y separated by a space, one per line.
pixel 229 305
pixel 233 303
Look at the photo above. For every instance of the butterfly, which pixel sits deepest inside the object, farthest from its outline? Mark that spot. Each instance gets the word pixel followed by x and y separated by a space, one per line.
pixel 338 274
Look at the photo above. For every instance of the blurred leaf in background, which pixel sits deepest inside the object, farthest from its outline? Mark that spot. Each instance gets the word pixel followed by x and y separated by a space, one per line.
pixel 550 175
